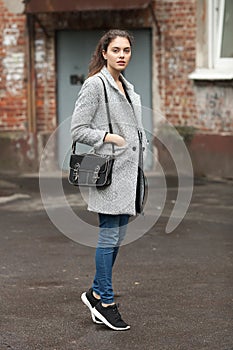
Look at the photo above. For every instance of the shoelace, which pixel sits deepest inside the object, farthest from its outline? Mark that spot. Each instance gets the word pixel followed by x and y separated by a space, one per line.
pixel 116 312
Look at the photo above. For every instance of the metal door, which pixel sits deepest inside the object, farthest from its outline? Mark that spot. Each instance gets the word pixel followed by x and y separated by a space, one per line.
pixel 74 50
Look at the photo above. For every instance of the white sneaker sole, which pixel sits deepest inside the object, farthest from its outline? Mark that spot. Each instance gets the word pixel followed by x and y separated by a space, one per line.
pixel 87 303
pixel 103 319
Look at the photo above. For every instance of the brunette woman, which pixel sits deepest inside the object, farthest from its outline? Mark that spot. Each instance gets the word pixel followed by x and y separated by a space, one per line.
pixel 116 203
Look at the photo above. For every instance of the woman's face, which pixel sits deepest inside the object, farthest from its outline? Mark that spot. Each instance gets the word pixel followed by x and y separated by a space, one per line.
pixel 118 54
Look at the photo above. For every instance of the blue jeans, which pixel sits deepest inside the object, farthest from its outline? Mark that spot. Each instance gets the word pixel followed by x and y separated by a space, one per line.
pixel 111 234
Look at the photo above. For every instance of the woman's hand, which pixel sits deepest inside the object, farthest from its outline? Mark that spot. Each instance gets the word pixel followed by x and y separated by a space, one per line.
pixel 116 139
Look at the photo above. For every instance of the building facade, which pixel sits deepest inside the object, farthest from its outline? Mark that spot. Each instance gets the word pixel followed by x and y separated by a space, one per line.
pixel 187 78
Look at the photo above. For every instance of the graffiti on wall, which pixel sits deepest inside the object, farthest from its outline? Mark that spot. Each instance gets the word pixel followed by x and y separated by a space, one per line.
pixel 214 106
pixel 11 35
pixel 43 60
pixel 13 62
pixel 40 59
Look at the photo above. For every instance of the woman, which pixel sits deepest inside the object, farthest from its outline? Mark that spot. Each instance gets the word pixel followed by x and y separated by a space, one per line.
pixel 116 203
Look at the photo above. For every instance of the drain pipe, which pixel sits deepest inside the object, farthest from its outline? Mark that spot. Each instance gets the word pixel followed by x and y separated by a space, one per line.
pixel 31 79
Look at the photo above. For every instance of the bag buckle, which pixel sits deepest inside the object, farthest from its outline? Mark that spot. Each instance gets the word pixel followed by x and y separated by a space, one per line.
pixel 95 176
pixel 76 171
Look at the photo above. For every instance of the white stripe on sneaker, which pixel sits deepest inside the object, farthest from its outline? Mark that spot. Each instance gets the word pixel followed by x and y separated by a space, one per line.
pixel 102 318
pixel 87 303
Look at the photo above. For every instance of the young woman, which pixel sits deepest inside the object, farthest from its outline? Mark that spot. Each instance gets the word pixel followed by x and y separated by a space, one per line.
pixel 116 203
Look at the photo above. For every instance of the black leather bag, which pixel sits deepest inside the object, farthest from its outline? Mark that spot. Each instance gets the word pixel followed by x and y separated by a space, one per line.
pixel 90 169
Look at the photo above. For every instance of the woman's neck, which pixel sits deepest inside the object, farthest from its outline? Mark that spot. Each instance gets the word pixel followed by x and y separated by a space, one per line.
pixel 114 73
pixel 116 76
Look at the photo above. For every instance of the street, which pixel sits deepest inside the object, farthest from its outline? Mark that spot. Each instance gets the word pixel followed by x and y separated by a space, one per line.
pixel 175 290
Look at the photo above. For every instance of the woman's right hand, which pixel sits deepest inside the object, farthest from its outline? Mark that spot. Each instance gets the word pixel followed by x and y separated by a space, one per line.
pixel 116 139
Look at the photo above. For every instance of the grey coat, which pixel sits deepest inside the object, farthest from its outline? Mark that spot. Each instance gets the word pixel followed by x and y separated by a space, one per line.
pixel 89 125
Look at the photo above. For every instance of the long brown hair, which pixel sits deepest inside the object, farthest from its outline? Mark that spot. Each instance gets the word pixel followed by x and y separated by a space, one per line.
pixel 97 61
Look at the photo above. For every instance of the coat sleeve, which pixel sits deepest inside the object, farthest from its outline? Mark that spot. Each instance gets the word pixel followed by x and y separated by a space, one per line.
pixel 85 108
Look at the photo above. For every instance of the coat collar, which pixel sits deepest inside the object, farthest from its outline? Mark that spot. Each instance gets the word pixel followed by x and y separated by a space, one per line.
pixel 112 82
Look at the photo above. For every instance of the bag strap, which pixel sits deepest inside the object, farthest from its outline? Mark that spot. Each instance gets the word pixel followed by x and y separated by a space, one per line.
pixel 107 107
pixel 108 115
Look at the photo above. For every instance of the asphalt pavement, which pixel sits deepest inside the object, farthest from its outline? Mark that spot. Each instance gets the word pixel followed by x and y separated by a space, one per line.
pixel 175 290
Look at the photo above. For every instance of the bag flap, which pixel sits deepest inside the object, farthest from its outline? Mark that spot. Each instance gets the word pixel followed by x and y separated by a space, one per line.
pixel 90 162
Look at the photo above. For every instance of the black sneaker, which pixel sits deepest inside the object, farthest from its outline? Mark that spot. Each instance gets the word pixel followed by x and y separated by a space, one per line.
pixel 90 301
pixel 110 317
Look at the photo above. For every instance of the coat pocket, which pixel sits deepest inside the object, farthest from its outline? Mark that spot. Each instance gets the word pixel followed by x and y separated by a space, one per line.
pixel 107 149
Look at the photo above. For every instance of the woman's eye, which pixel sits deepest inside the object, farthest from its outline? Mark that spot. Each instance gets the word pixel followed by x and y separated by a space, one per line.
pixel 125 50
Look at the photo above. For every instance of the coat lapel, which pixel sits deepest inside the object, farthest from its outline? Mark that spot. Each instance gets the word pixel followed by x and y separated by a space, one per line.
pixel 134 97
pixel 109 77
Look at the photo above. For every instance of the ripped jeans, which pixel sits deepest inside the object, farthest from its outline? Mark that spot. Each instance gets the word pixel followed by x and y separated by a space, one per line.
pixel 111 234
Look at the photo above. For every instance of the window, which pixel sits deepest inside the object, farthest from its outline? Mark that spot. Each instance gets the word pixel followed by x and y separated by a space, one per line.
pixel 214 40
pixel 227 30
pixel 224 47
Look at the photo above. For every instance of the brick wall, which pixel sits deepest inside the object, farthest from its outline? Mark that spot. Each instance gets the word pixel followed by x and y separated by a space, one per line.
pixel 13 104
pixel 214 101
pixel 175 55
pixel 45 81
pixel 205 106
pixel 16 136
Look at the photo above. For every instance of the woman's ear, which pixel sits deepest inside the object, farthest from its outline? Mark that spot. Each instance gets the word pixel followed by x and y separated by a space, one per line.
pixel 104 54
